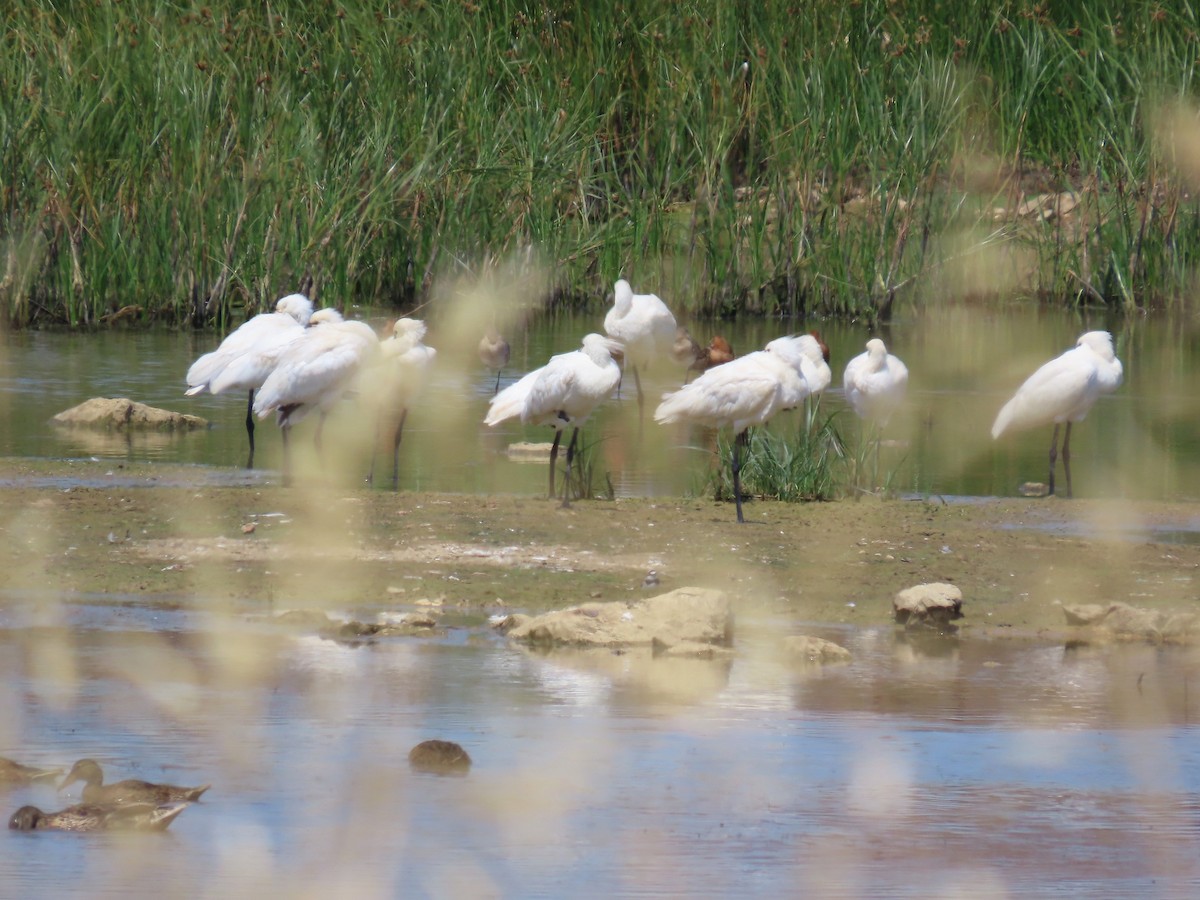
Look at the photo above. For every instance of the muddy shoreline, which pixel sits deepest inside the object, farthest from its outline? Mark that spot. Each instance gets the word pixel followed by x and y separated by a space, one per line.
pixel 182 536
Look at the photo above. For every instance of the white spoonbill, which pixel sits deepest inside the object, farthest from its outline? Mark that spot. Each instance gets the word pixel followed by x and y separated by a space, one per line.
pixel 405 364
pixel 248 354
pixel 1063 390
pixel 563 392
pixel 314 372
pixel 643 325
pixel 493 353
pixel 875 383
pixel 748 391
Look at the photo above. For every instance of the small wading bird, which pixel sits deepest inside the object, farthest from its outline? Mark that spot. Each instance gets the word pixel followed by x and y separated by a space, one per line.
pixel 405 362
pixel 493 353
pixel 131 790
pixel 749 391
pixel 246 357
pixel 93 817
pixel 1063 390
pixel 13 773
pixel 563 392
pixel 314 372
pixel 686 352
pixel 643 325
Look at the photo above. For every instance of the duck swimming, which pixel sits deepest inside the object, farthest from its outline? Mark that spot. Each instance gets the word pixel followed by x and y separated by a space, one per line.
pixel 131 790
pixel 93 817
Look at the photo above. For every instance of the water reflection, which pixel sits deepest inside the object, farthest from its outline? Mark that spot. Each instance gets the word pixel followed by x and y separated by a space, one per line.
pixel 964 362
pixel 916 769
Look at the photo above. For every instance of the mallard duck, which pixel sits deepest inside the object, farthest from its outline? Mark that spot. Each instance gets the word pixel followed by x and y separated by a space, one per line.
pixel 129 791
pixel 93 817
pixel 441 757
pixel 12 772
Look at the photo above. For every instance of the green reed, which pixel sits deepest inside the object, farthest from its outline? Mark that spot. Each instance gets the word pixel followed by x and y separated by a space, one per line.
pixel 830 157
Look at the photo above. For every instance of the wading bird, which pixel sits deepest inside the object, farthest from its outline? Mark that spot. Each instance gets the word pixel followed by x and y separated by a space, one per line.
pixel 246 357
pixel 748 391
pixel 563 392
pixel 875 383
pixel 93 817
pixel 404 365
pixel 643 325
pixel 314 372
pixel 131 790
pixel 493 353
pixel 686 352
pixel 1063 390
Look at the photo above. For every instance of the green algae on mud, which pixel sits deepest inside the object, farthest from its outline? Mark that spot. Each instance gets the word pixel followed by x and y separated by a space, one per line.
pixel 173 536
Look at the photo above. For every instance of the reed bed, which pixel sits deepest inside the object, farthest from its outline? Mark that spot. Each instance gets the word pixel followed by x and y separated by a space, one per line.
pixel 186 164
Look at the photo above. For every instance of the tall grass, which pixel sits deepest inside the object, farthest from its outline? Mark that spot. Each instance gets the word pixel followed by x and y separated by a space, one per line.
pixel 831 157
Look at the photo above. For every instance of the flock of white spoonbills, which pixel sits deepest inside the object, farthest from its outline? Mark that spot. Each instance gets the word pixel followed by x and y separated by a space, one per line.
pixel 294 361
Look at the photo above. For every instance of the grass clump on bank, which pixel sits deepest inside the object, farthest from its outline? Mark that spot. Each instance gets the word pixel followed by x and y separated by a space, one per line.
pixel 197 162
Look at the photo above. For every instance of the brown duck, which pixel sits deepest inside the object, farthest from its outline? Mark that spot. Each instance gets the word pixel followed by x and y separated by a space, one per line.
pixel 13 773
pixel 93 817
pixel 131 790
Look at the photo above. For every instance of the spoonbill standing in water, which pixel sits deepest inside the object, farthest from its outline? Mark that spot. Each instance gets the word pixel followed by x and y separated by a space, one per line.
pixel 1063 390
pixel 248 354
pixel 875 383
pixel 563 392
pixel 406 361
pixel 749 391
pixel 643 325
pixel 314 372
pixel 493 353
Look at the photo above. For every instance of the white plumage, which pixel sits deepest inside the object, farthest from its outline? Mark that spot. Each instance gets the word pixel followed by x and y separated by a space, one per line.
pixel 248 354
pixel 563 392
pixel 643 325
pixel 749 391
pixel 315 371
pixel 405 362
pixel 1063 390
pixel 875 383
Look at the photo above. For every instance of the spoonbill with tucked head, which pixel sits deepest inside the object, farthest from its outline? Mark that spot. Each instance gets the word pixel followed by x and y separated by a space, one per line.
pixel 314 372
pixel 1063 390
pixel 563 392
pixel 749 391
pixel 246 357
pixel 875 383
pixel 643 325
pixel 405 363
pixel 493 353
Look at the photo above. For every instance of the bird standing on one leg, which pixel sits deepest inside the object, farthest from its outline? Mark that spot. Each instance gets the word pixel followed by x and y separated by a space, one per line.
pixel 645 328
pixel 563 392
pixel 875 383
pixel 405 361
pixel 748 391
pixel 493 353
pixel 1063 390
pixel 248 354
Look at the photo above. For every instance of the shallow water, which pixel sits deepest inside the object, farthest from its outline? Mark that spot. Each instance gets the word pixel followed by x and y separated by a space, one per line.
pixel 1142 442
pixel 938 767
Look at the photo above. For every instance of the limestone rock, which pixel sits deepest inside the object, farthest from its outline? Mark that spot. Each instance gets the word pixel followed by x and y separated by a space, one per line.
pixel 127 415
pixel 685 614
pixel 1120 621
pixel 815 649
pixel 936 604
pixel 1084 613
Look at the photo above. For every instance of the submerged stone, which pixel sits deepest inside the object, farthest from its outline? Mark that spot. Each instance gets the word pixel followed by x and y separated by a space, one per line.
pixel 439 757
